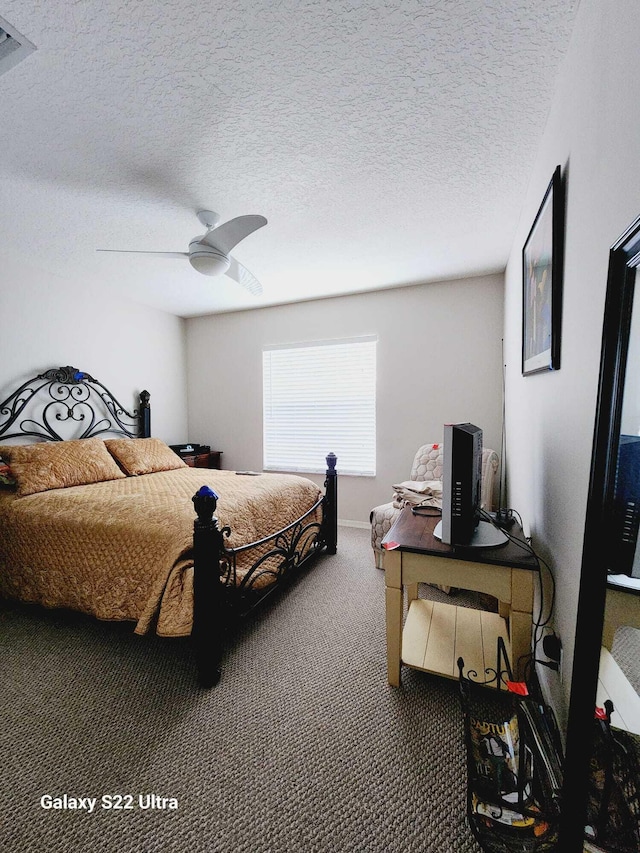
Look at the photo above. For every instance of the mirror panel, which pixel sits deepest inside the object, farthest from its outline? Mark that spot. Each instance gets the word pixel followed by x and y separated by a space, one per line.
pixel 624 555
pixel 611 525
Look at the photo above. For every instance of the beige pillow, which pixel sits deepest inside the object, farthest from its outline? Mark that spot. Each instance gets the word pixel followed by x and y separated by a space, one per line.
pixel 143 455
pixel 58 464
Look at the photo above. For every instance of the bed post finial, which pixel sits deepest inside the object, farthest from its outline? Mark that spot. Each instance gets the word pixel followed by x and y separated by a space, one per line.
pixel 207 630
pixel 205 501
pixel 145 414
pixel 330 516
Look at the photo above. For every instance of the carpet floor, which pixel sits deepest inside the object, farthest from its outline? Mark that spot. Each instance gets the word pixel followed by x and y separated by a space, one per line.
pixel 302 748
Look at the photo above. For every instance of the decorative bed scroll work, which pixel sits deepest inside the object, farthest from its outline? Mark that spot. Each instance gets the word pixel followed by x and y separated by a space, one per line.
pixel 39 407
pixel 126 549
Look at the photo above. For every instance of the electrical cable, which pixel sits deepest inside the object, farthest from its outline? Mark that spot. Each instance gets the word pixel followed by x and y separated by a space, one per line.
pixel 421 509
pixel 540 623
pixel 502 489
pixel 523 543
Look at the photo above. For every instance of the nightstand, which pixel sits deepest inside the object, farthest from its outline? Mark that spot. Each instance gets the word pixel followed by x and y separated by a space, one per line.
pixel 435 635
pixel 204 460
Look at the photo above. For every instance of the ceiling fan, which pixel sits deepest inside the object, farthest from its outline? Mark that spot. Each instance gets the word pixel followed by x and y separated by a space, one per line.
pixel 209 253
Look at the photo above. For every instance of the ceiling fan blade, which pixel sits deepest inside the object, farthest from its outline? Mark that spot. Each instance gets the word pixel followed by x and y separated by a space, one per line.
pixel 229 234
pixel 242 275
pixel 153 254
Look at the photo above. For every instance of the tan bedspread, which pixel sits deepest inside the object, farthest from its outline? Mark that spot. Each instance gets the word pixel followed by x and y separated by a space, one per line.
pixel 119 550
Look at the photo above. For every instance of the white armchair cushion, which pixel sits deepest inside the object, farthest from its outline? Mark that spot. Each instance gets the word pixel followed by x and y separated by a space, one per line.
pixel 427 463
pixel 382 518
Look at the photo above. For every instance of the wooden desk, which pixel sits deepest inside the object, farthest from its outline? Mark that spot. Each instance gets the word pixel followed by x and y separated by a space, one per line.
pixel 435 635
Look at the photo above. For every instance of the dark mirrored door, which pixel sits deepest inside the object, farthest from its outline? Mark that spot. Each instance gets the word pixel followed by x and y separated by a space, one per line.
pixel 610 575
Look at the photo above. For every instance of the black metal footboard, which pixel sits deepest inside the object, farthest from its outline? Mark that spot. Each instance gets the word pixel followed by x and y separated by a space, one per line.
pixel 223 593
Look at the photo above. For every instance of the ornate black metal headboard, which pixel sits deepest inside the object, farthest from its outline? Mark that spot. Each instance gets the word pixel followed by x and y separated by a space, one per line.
pixel 65 394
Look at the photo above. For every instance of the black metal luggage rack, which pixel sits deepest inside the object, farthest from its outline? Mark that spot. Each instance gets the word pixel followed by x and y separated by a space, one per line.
pixel 613 803
pixel 513 769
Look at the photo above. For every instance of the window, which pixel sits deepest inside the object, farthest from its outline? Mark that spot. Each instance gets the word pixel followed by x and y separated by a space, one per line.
pixel 320 398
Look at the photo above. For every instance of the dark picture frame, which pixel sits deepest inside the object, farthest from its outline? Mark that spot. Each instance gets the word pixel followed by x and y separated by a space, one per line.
pixel 542 270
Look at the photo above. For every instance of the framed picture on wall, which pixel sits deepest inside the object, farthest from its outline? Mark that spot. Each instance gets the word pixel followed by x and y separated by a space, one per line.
pixel 542 266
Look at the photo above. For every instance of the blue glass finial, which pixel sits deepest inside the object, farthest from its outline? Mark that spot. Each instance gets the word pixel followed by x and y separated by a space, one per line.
pixel 206 492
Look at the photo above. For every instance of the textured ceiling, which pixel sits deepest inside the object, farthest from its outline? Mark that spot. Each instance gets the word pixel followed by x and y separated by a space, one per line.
pixel 386 143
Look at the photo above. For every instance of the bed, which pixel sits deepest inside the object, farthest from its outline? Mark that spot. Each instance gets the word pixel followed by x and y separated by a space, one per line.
pixel 98 516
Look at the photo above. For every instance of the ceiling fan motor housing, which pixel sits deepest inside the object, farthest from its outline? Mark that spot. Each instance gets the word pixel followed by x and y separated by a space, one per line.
pixel 206 259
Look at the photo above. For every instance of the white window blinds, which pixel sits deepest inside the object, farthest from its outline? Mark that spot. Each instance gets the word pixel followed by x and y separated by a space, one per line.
pixel 320 398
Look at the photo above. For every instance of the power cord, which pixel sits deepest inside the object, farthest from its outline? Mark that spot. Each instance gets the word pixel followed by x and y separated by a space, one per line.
pixel 420 509
pixel 541 621
pixel 503 518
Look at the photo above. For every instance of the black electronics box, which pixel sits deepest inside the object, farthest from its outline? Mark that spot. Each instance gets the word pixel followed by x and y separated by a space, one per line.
pixel 190 449
pixel 625 515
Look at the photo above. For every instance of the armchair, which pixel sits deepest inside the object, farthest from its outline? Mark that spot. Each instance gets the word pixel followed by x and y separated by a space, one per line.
pixel 427 465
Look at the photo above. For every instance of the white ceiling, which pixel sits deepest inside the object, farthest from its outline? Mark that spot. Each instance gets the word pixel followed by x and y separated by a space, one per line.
pixel 387 143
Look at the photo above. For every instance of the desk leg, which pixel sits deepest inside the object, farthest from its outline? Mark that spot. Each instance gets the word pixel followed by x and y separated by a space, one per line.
pixel 521 620
pixel 520 630
pixel 394 613
pixel 394 635
pixel 621 609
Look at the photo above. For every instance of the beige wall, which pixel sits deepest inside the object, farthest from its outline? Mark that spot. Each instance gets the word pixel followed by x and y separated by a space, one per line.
pixel 439 357
pixel 593 131
pixel 51 321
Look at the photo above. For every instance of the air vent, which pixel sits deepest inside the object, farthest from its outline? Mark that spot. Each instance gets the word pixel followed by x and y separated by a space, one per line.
pixel 13 46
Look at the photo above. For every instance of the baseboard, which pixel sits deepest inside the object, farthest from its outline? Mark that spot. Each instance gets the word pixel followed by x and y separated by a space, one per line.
pixel 345 522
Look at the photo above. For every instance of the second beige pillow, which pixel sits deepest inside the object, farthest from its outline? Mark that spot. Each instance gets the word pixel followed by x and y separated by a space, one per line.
pixel 143 455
